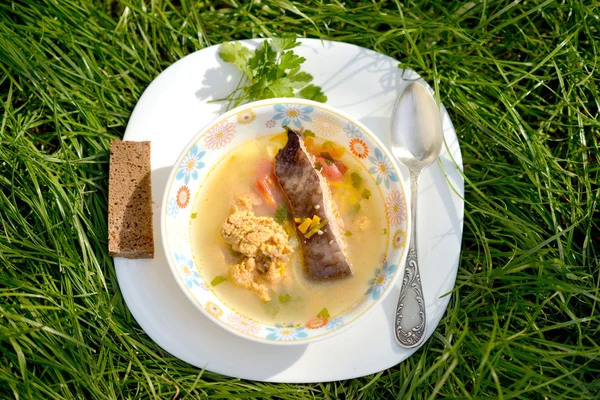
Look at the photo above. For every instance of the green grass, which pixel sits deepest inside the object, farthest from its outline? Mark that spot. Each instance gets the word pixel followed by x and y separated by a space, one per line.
pixel 520 81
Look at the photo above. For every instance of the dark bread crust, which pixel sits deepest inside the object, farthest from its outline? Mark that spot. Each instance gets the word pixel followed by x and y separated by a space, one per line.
pixel 130 232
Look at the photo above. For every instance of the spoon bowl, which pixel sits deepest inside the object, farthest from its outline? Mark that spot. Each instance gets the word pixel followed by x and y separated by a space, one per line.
pixel 416 127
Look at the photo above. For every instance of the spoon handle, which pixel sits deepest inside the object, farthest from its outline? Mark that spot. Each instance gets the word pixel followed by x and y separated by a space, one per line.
pixel 410 320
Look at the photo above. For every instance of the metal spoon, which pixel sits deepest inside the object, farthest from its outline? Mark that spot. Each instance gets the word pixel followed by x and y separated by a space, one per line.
pixel 416 142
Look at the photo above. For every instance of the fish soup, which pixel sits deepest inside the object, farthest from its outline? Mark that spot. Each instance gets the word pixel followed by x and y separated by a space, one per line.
pixel 253 250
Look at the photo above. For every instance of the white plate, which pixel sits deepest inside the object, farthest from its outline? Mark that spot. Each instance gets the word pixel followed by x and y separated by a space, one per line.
pixel 358 81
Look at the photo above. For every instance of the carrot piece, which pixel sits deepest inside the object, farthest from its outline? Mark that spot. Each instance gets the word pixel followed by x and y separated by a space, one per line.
pixel 330 171
pixel 264 188
pixel 341 167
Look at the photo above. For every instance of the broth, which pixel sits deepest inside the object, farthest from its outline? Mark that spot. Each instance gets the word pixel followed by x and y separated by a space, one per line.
pixel 295 298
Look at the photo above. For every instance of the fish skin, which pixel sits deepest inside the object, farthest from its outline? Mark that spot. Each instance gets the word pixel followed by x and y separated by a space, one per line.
pixel 305 188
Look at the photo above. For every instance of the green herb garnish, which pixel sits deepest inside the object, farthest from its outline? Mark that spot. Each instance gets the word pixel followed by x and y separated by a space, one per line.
pixel 313 92
pixel 356 180
pixel 282 214
pixel 272 70
pixel 194 215
pixel 284 298
pixel 308 133
pixel 217 280
pixel 318 166
pixel 366 194
pixel 348 233
pixel 271 308
pixel 323 313
pixel 355 209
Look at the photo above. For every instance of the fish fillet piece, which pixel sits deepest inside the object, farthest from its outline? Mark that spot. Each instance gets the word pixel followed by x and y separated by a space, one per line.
pixel 308 194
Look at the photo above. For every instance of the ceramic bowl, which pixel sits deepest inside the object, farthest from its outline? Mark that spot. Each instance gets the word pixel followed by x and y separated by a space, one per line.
pixel 268 117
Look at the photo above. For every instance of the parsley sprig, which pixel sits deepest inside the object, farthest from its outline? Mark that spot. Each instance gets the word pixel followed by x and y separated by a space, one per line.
pixel 272 70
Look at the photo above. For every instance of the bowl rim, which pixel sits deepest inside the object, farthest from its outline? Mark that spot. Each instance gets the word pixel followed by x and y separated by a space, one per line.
pixel 401 261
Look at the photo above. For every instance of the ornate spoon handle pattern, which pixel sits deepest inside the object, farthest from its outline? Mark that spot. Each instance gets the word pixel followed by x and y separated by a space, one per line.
pixel 411 286
pixel 411 304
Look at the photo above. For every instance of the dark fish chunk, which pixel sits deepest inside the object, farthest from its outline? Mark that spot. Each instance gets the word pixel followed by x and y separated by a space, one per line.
pixel 308 194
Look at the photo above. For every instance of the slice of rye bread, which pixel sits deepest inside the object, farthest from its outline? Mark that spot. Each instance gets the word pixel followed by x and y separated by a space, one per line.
pixel 130 201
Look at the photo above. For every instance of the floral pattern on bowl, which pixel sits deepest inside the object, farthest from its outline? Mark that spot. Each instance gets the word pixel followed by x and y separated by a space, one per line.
pixel 267 117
